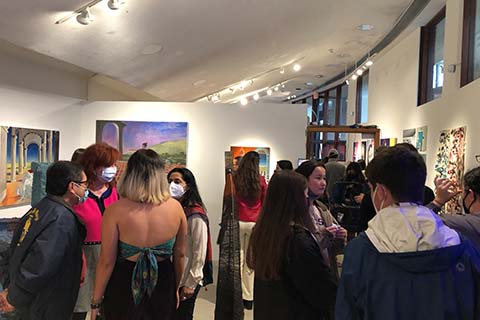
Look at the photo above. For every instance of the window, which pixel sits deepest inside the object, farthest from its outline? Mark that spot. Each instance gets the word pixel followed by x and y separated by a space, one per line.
pixel 330 108
pixel 431 59
pixel 471 42
pixel 361 114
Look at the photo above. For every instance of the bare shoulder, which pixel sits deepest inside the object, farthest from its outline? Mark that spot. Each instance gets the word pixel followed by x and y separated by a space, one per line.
pixel 173 204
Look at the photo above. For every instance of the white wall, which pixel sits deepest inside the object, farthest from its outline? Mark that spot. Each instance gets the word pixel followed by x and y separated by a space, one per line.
pixel 213 128
pixel 393 91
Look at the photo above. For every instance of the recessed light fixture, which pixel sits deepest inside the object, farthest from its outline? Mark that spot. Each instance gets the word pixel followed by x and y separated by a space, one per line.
pixel 256 96
pixel 244 101
pixel 152 49
pixel 282 71
pixel 354 77
pixel 297 67
pixel 309 84
pixel 276 88
pixel 365 27
pixel 359 72
pixel 269 92
pixel 369 63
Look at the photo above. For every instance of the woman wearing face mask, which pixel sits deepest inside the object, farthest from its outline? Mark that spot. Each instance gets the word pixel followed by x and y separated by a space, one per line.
pixel 330 235
pixel 198 266
pixel 99 165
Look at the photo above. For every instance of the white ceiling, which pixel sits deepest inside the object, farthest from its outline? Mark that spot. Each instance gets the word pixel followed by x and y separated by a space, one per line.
pixel 206 45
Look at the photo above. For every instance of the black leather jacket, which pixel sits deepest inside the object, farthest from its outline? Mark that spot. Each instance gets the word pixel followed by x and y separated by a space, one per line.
pixel 45 261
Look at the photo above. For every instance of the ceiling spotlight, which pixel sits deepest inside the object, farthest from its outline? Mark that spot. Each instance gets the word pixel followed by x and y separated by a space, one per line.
pixel 359 72
pixel 215 98
pixel 269 92
pixel 283 85
pixel 297 67
pixel 354 77
pixel 115 4
pixel 347 82
pixel 276 88
pixel 244 101
pixel 256 96
pixel 85 17
pixel 282 71
pixel 369 63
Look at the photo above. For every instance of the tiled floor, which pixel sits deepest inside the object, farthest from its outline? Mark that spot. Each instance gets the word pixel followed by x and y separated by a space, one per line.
pixel 205 305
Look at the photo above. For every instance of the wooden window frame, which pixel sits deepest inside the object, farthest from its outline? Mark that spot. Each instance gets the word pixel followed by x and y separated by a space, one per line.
pixel 426 55
pixel 468 42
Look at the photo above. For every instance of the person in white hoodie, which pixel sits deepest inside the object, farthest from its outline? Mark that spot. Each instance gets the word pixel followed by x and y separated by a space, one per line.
pixel 407 264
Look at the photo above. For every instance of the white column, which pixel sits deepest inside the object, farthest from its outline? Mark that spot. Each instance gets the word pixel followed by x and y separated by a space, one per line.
pixel 44 147
pixel 3 162
pixel 21 160
pixel 14 154
pixel 50 146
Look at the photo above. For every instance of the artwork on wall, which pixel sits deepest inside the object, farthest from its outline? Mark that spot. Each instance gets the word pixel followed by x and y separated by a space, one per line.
pixel 450 162
pixel 168 139
pixel 388 142
pixel 19 147
pixel 357 151
pixel 421 139
pixel 409 136
pixel 264 153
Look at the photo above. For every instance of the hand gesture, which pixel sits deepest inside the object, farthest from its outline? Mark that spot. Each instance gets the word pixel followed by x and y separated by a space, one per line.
pixel 4 305
pixel 445 190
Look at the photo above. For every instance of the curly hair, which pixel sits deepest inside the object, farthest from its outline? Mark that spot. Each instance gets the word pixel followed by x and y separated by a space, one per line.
pixel 96 156
pixel 247 177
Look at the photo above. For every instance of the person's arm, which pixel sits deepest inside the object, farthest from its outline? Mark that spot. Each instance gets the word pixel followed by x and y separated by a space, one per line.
pixel 179 248
pixel 307 272
pixel 445 190
pixel 108 256
pixel 199 238
pixel 43 260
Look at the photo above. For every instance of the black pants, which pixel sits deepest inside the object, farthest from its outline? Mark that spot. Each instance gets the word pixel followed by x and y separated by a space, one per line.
pixel 186 307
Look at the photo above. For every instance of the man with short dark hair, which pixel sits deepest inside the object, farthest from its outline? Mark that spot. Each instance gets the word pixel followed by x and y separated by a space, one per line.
pixel 46 251
pixel 407 265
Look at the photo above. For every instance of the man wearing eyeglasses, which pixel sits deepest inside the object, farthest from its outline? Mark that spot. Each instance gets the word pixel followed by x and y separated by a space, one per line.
pixel 45 260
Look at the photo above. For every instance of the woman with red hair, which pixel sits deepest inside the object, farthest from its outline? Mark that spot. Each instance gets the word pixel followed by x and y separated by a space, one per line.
pixel 99 165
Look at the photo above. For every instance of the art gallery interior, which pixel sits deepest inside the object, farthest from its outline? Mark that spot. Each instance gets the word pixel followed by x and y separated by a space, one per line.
pixel 227 69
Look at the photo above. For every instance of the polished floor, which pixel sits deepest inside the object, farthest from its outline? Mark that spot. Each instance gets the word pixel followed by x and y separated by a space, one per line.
pixel 205 306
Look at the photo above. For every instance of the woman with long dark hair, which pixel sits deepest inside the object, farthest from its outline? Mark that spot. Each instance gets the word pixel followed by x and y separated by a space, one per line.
pixel 331 236
pixel 198 254
pixel 292 279
pixel 250 189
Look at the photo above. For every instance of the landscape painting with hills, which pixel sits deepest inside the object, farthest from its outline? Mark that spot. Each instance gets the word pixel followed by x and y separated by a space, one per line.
pixel 168 139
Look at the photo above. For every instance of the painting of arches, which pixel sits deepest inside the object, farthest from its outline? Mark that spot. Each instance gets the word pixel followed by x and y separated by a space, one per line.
pixel 168 139
pixel 19 148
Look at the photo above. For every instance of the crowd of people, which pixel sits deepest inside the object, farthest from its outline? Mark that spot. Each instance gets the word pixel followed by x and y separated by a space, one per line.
pixel 138 246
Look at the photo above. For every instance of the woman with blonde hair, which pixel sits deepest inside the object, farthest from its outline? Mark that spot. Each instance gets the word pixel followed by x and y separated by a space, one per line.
pixel 140 234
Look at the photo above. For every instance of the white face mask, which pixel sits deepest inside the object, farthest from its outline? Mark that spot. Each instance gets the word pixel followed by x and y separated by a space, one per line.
pixel 108 174
pixel 176 190
pixel 373 201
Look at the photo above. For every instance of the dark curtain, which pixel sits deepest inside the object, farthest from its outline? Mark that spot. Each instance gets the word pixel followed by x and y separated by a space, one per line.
pixel 229 303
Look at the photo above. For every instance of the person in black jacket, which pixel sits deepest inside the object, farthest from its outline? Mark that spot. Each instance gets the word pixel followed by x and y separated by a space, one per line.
pixel 293 279
pixel 45 260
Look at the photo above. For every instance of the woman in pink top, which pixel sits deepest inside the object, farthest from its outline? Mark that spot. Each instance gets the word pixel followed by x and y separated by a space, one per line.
pixel 250 189
pixel 99 165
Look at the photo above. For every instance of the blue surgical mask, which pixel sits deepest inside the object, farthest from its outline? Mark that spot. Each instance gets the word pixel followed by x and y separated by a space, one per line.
pixel 108 174
pixel 85 195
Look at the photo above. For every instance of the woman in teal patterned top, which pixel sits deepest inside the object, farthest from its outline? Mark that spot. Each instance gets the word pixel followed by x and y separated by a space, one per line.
pixel 143 245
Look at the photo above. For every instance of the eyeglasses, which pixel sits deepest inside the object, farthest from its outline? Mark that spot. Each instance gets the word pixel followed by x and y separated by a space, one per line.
pixel 81 183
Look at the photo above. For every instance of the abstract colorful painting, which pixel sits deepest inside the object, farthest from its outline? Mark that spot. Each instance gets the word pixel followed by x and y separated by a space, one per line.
pixel 168 139
pixel 264 153
pixel 19 147
pixel 388 142
pixel 450 162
